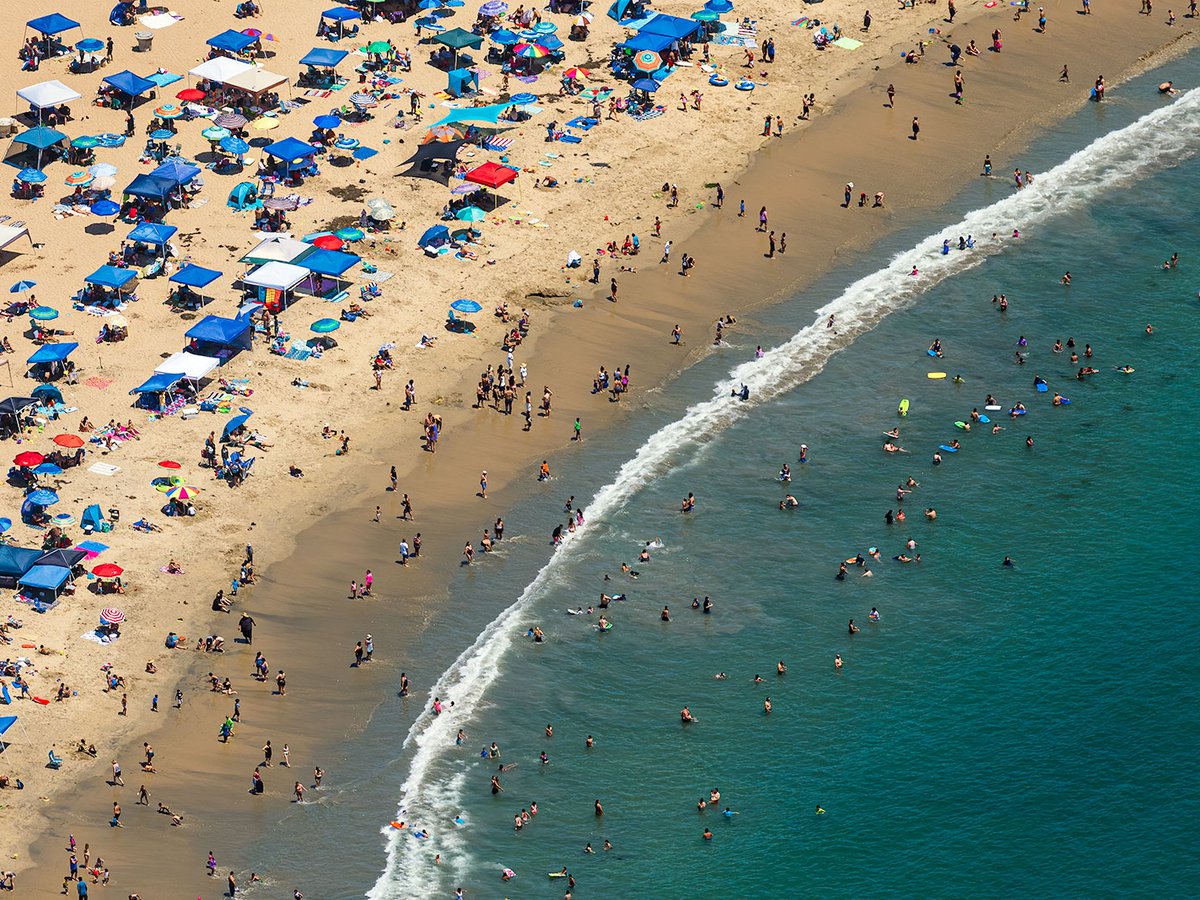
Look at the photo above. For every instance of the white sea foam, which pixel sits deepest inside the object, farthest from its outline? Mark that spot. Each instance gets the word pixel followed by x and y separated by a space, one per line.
pixel 1159 140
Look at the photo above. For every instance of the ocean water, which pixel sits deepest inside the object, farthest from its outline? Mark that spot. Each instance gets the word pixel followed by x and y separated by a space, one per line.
pixel 999 730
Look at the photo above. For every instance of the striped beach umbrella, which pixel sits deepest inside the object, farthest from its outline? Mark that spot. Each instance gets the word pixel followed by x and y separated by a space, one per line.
pixel 110 615
pixel 182 492
pixel 363 100
pixel 22 286
pixel 230 120
pixel 443 134
pixel 524 98
pixel 168 111
pixel 647 61
pixel 43 313
pixel 215 133
pixel 531 51
pixel 31 176
pixel 81 178
pixel 577 73
pixel 493 8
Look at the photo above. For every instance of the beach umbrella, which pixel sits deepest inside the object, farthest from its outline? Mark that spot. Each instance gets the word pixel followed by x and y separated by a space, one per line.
pixel 649 85
pixel 29 458
pixel 111 616
pixel 104 183
pixel 363 100
pixel 324 326
pixel 107 570
pixel 47 468
pixel 215 133
pixel 350 234
pixel 345 143
pixel 466 306
pixel 284 203
pixel 105 208
pixel 234 145
pixel 22 286
pixel 85 142
pixel 266 123
pixel 545 28
pixel 162 134
pixel 191 94
pixel 168 111
pixel 464 188
pixel 524 98
pixel 583 20
pixel 230 120
pixel 43 497
pixel 327 121
pixel 443 134
pixel 430 4
pixel 577 73
pixel 329 242
pixel 5 524
pixel 531 51
pixel 647 61
pixel 471 214
pixel 504 37
pixel 719 6
pixel 70 441
pixel 705 15
pixel 382 213
pixel 169 464
pixel 103 170
pixel 31 176
pixel 43 313
pixel 378 46
pixel 493 8
pixel 182 492
pixel 90 45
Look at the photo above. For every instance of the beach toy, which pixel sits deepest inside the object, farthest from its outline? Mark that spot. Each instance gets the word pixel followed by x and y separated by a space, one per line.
pixel 936 376
pixel 984 420
pixel 993 407
pixel 903 408
pixel 744 85
pixel 718 81
pixel 947 448
pixel 962 425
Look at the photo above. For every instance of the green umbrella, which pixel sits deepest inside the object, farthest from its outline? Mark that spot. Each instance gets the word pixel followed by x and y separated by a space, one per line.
pixel 215 133
pixel 377 47
pixel 324 326
pixel 705 15
pixel 87 142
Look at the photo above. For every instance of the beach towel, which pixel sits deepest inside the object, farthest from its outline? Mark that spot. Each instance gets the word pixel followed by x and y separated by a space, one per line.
pixel 300 353
pixel 498 144
pixel 160 20
pixel 106 469
pixel 847 43
pixel 167 571
pixel 571 139
pixel 91 548
pixel 583 123
pixel 649 114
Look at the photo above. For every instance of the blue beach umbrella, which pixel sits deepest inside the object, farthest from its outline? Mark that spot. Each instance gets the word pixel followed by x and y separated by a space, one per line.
pixel 43 313
pixel 523 98
pixel 43 497
pixel 90 45
pixel 545 28
pixel 705 15
pixel 329 120
pixel 466 306
pixel 505 37
pixel 31 176
pixel 471 214
pixel 429 4
pixel 5 524
pixel 85 142
pixel 324 326
pixel 105 208
pixel 649 85
pixel 162 134
pixel 47 469
pixel 234 145
pixel 719 6
pixel 22 286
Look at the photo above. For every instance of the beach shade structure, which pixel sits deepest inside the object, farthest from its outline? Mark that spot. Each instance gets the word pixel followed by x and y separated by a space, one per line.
pixel 524 98
pixel 105 208
pixel 350 234
pixel 434 237
pixel 39 140
pixel 103 183
pixel 545 28
pixel 443 134
pixel 154 234
pixel 321 57
pixel 43 313
pixel 327 121
pixel 550 42
pixel 168 111
pixel 382 212
pixel 169 464
pixel 234 424
pixel 186 491
pixel 85 142
pixel 705 15
pixel 493 8
pixel 31 176
pixel 647 61
pixel 52 24
pixel 195 276
pixel 576 73
pixel 22 286
pixel 90 45
pixel 459 39
pixel 111 615
pixel 377 47
pixel 47 468
pixel 491 175
pixel 232 121
pixel 161 134
pixel 329 242
pixel 470 214
pixel 177 170
pixel 28 459
pixel 191 95
pixel 649 85
pixel 265 123
pixel 466 306
pixel 69 441
pixel 363 100
pixel 530 51
pixel 505 38
pixel 132 86
pixel 103 170
pixel 214 133
pixel 583 20
pixel 5 524
pixel 324 326
pixel 108 570
pixel 234 145
pixel 42 497
pixel 47 95
pixel 231 41
pixel 50 354
pixel 430 4
pixel 719 6
pixel 461 82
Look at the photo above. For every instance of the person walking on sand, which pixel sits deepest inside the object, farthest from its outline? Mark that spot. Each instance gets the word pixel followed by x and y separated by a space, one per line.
pixel 578 436
pixel 1065 75
pixel 762 219
pixel 612 290
pixel 469 552
pixel 891 95
pixel 771 241
pixel 666 257
pixel 916 127
pixel 483 485
pixel 117 781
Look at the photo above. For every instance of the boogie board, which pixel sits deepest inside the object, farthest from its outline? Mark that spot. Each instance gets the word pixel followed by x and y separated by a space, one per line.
pixel 903 408
pixel 1016 412
pixel 932 353
pixel 984 420
pixel 936 375
pixel 1042 387
pixel 962 425
pixel 1063 401
pixel 995 407
pixel 947 448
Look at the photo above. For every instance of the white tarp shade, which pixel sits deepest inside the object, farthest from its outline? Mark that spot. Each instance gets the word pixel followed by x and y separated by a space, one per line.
pixel 277 249
pixel 255 81
pixel 47 94
pixel 10 233
pixel 221 68
pixel 189 365
pixel 278 276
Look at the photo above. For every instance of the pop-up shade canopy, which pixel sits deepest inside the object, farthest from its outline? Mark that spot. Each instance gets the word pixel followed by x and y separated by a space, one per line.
pixel 341 14
pixel 151 233
pixel 152 186
pixel 231 41
pixel 278 276
pixel 645 41
pixel 256 81
pixel 55 23
pixel 459 38
pixel 290 149
pixel 188 365
pixel 674 27
pixel 40 138
pixel 328 262
pixel 111 277
pixel 128 83
pixel 491 175
pixel 51 353
pixel 220 68
pixel 277 249
pixel 177 170
pixel 47 93
pixel 158 383
pixel 49 578
pixel 222 331
pixel 195 276
pixel 319 56
pixel 15 561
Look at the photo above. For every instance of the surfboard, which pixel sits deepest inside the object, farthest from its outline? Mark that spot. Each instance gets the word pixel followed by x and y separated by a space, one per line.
pixel 936 376
pixel 947 448
pixel 903 407
pixel 984 420
pixel 995 407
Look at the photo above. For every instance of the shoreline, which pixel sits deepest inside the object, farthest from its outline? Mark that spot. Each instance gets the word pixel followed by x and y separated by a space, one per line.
pixel 623 323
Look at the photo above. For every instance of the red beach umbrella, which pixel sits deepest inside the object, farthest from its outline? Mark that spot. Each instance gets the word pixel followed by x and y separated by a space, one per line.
pixel 107 570
pixel 70 441
pixel 112 615
pixel 28 458
pixel 191 94
pixel 169 464
pixel 329 242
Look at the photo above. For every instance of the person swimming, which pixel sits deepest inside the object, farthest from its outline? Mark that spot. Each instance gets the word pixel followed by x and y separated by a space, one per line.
pixel 785 474
pixel 874 615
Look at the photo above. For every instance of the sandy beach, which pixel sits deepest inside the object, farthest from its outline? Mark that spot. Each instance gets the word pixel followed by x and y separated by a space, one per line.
pixel 312 535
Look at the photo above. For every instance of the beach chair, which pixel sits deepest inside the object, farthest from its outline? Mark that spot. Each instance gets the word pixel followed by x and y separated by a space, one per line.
pixel 55 761
pixel 5 698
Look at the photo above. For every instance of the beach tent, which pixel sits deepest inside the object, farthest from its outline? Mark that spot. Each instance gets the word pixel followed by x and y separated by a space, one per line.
pixel 176 170
pixel 674 27
pixel 435 237
pixel 47 94
pixel 51 353
pixel 191 366
pixel 220 68
pixel 16 561
pixel 12 233
pixel 232 41
pixel 458 39
pixel 121 14
pixel 222 332
pixel 156 384
pixel 328 262
pixel 256 81
pixel 491 175
pixel 45 578
pixel 323 58
pixel 111 277
pixel 195 276
pixel 290 150
pixel 48 26
pixel 276 276
pixel 462 81
pixel 38 139
pixel 646 41
pixel 128 83
pixel 64 557
pixel 14 405
pixel 341 14
pixel 47 394
pixel 151 233
pixel 92 517
pixel 276 249
pixel 152 186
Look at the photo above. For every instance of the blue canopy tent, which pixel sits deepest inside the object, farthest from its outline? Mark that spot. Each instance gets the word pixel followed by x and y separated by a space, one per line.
pixel 150 391
pixel 323 58
pixel 231 333
pixel 154 234
pixel 674 27
pixel 15 562
pixel 232 41
pixel 328 262
pixel 51 25
pixel 192 276
pixel 7 722
pixel 153 187
pixel 104 280
pixel 462 81
pixel 51 355
pixel 133 86
pixel 644 41
pixel 45 579
pixel 291 152
pixel 38 140
pixel 339 16
pixel 178 170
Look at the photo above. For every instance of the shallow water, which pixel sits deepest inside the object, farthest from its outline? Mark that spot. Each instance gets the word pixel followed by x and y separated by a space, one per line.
pixel 999 730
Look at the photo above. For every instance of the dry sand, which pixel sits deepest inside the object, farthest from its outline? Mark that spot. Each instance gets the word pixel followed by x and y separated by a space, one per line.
pixel 799 177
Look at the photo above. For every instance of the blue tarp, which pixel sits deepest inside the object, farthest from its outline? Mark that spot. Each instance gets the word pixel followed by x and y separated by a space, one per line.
pixel 50 578
pixel 176 170
pixel 156 384
pixel 341 14
pixel 289 149
pixel 195 276
pixel 234 424
pixel 218 330
pixel 233 41
pixel 328 262
pixel 51 353
pixel 150 233
pixel 128 83
pixel 111 277
pixel 15 561
pixel 645 41
pixel 40 137
pixel 151 186
pixel 55 23
pixel 162 79
pixel 319 57
pixel 672 26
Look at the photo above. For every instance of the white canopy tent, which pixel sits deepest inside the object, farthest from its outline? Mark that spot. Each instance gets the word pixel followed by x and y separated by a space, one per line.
pixel 189 365
pixel 279 276
pixel 47 94
pixel 221 68
pixel 277 249
pixel 11 233
pixel 256 81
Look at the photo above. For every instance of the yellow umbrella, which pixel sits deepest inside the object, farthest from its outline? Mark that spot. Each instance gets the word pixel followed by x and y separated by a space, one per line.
pixel 266 123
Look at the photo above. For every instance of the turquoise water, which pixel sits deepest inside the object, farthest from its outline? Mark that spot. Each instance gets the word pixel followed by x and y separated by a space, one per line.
pixel 998 731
